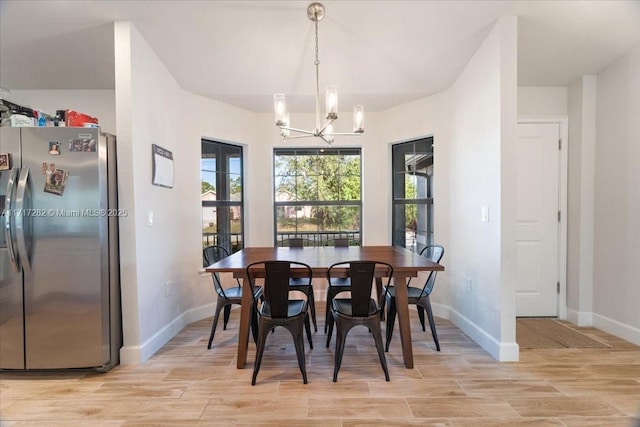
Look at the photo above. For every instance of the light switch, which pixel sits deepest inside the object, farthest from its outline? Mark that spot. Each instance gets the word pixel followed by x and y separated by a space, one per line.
pixel 149 218
pixel 485 214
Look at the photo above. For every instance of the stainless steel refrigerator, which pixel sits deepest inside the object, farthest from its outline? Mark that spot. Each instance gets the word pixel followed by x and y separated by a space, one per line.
pixel 59 269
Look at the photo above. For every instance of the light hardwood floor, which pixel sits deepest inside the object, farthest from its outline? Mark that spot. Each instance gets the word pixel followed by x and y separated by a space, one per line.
pixel 185 384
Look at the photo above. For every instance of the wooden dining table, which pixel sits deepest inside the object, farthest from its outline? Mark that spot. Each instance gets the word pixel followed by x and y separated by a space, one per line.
pixel 405 264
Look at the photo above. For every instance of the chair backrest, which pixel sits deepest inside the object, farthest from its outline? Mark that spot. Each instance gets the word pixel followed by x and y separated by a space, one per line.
pixel 341 242
pixel 213 254
pixel 296 242
pixel 435 254
pixel 362 274
pixel 276 282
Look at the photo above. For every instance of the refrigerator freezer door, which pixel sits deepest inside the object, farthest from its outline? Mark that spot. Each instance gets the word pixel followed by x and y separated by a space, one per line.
pixel 11 291
pixel 65 289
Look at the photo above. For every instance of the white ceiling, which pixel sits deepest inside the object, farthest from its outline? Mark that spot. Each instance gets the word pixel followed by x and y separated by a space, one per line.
pixel 378 53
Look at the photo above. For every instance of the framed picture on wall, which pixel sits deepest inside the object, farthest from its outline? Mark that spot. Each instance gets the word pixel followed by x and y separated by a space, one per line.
pixel 162 166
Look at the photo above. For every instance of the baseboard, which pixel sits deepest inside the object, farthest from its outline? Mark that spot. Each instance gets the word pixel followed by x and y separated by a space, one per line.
pixel 503 352
pixel 134 355
pixel 579 318
pixel 613 327
pixel 620 330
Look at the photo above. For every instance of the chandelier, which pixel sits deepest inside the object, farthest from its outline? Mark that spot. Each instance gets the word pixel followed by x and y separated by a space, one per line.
pixel 323 130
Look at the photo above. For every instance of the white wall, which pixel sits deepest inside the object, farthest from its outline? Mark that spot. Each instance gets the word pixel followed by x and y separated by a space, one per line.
pixel 542 101
pixel 616 269
pixel 483 129
pixel 507 349
pixel 580 227
pixel 153 109
pixel 96 103
pixel 473 124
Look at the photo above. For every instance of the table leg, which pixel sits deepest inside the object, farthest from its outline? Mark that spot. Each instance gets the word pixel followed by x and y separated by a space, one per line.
pixel 245 321
pixel 402 304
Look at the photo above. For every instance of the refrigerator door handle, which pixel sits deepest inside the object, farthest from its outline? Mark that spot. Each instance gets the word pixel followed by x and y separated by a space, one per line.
pixel 23 219
pixel 9 216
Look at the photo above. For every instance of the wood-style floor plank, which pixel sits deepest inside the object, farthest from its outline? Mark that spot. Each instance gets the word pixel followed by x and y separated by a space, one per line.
pixel 186 385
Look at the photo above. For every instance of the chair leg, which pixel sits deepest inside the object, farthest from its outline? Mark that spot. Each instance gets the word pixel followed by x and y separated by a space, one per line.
pixel 377 337
pixel 298 341
pixel 307 327
pixel 219 306
pixel 330 331
pixel 341 336
pixel 421 316
pixel 432 323
pixel 327 312
pixel 312 305
pixel 263 331
pixel 254 323
pixel 391 320
pixel 227 314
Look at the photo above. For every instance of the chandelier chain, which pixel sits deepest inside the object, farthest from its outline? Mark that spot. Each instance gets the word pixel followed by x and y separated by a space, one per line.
pixel 324 128
pixel 317 64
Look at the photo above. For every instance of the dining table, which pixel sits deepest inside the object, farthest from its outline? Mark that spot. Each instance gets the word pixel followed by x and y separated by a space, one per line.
pixel 405 264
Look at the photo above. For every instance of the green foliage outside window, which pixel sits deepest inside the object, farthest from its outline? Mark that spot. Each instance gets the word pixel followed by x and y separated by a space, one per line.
pixel 207 187
pixel 327 181
pixel 411 211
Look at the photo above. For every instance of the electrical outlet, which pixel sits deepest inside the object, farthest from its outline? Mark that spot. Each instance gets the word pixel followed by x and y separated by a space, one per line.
pixel 167 288
pixel 467 285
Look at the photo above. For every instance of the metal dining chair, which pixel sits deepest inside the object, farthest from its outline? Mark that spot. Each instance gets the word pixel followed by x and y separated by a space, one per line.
pixel 358 309
pixel 338 284
pixel 279 309
pixel 299 243
pixel 226 297
pixel 418 296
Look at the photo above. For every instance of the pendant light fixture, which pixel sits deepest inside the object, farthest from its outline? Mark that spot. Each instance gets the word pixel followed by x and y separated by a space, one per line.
pixel 324 128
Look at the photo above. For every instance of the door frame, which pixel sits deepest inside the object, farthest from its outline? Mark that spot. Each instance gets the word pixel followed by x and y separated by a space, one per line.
pixel 563 124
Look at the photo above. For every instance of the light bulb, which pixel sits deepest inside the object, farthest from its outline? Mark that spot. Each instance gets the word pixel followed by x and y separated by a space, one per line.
pixel 328 133
pixel 280 108
pixel 331 98
pixel 358 119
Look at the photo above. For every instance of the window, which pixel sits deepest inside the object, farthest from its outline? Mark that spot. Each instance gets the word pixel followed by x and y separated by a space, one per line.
pixel 222 205
pixel 317 195
pixel 413 194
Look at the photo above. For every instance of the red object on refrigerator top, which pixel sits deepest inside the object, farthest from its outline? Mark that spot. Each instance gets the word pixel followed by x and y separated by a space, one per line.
pixel 74 118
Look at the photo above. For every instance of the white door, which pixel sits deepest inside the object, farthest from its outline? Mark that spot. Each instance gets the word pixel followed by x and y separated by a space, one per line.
pixel 537 219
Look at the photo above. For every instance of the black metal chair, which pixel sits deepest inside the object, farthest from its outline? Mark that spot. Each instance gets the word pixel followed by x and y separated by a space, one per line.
pixel 278 309
pixel 418 296
pixel 360 308
pixel 338 242
pixel 296 242
pixel 299 243
pixel 339 284
pixel 226 297
pixel 341 242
